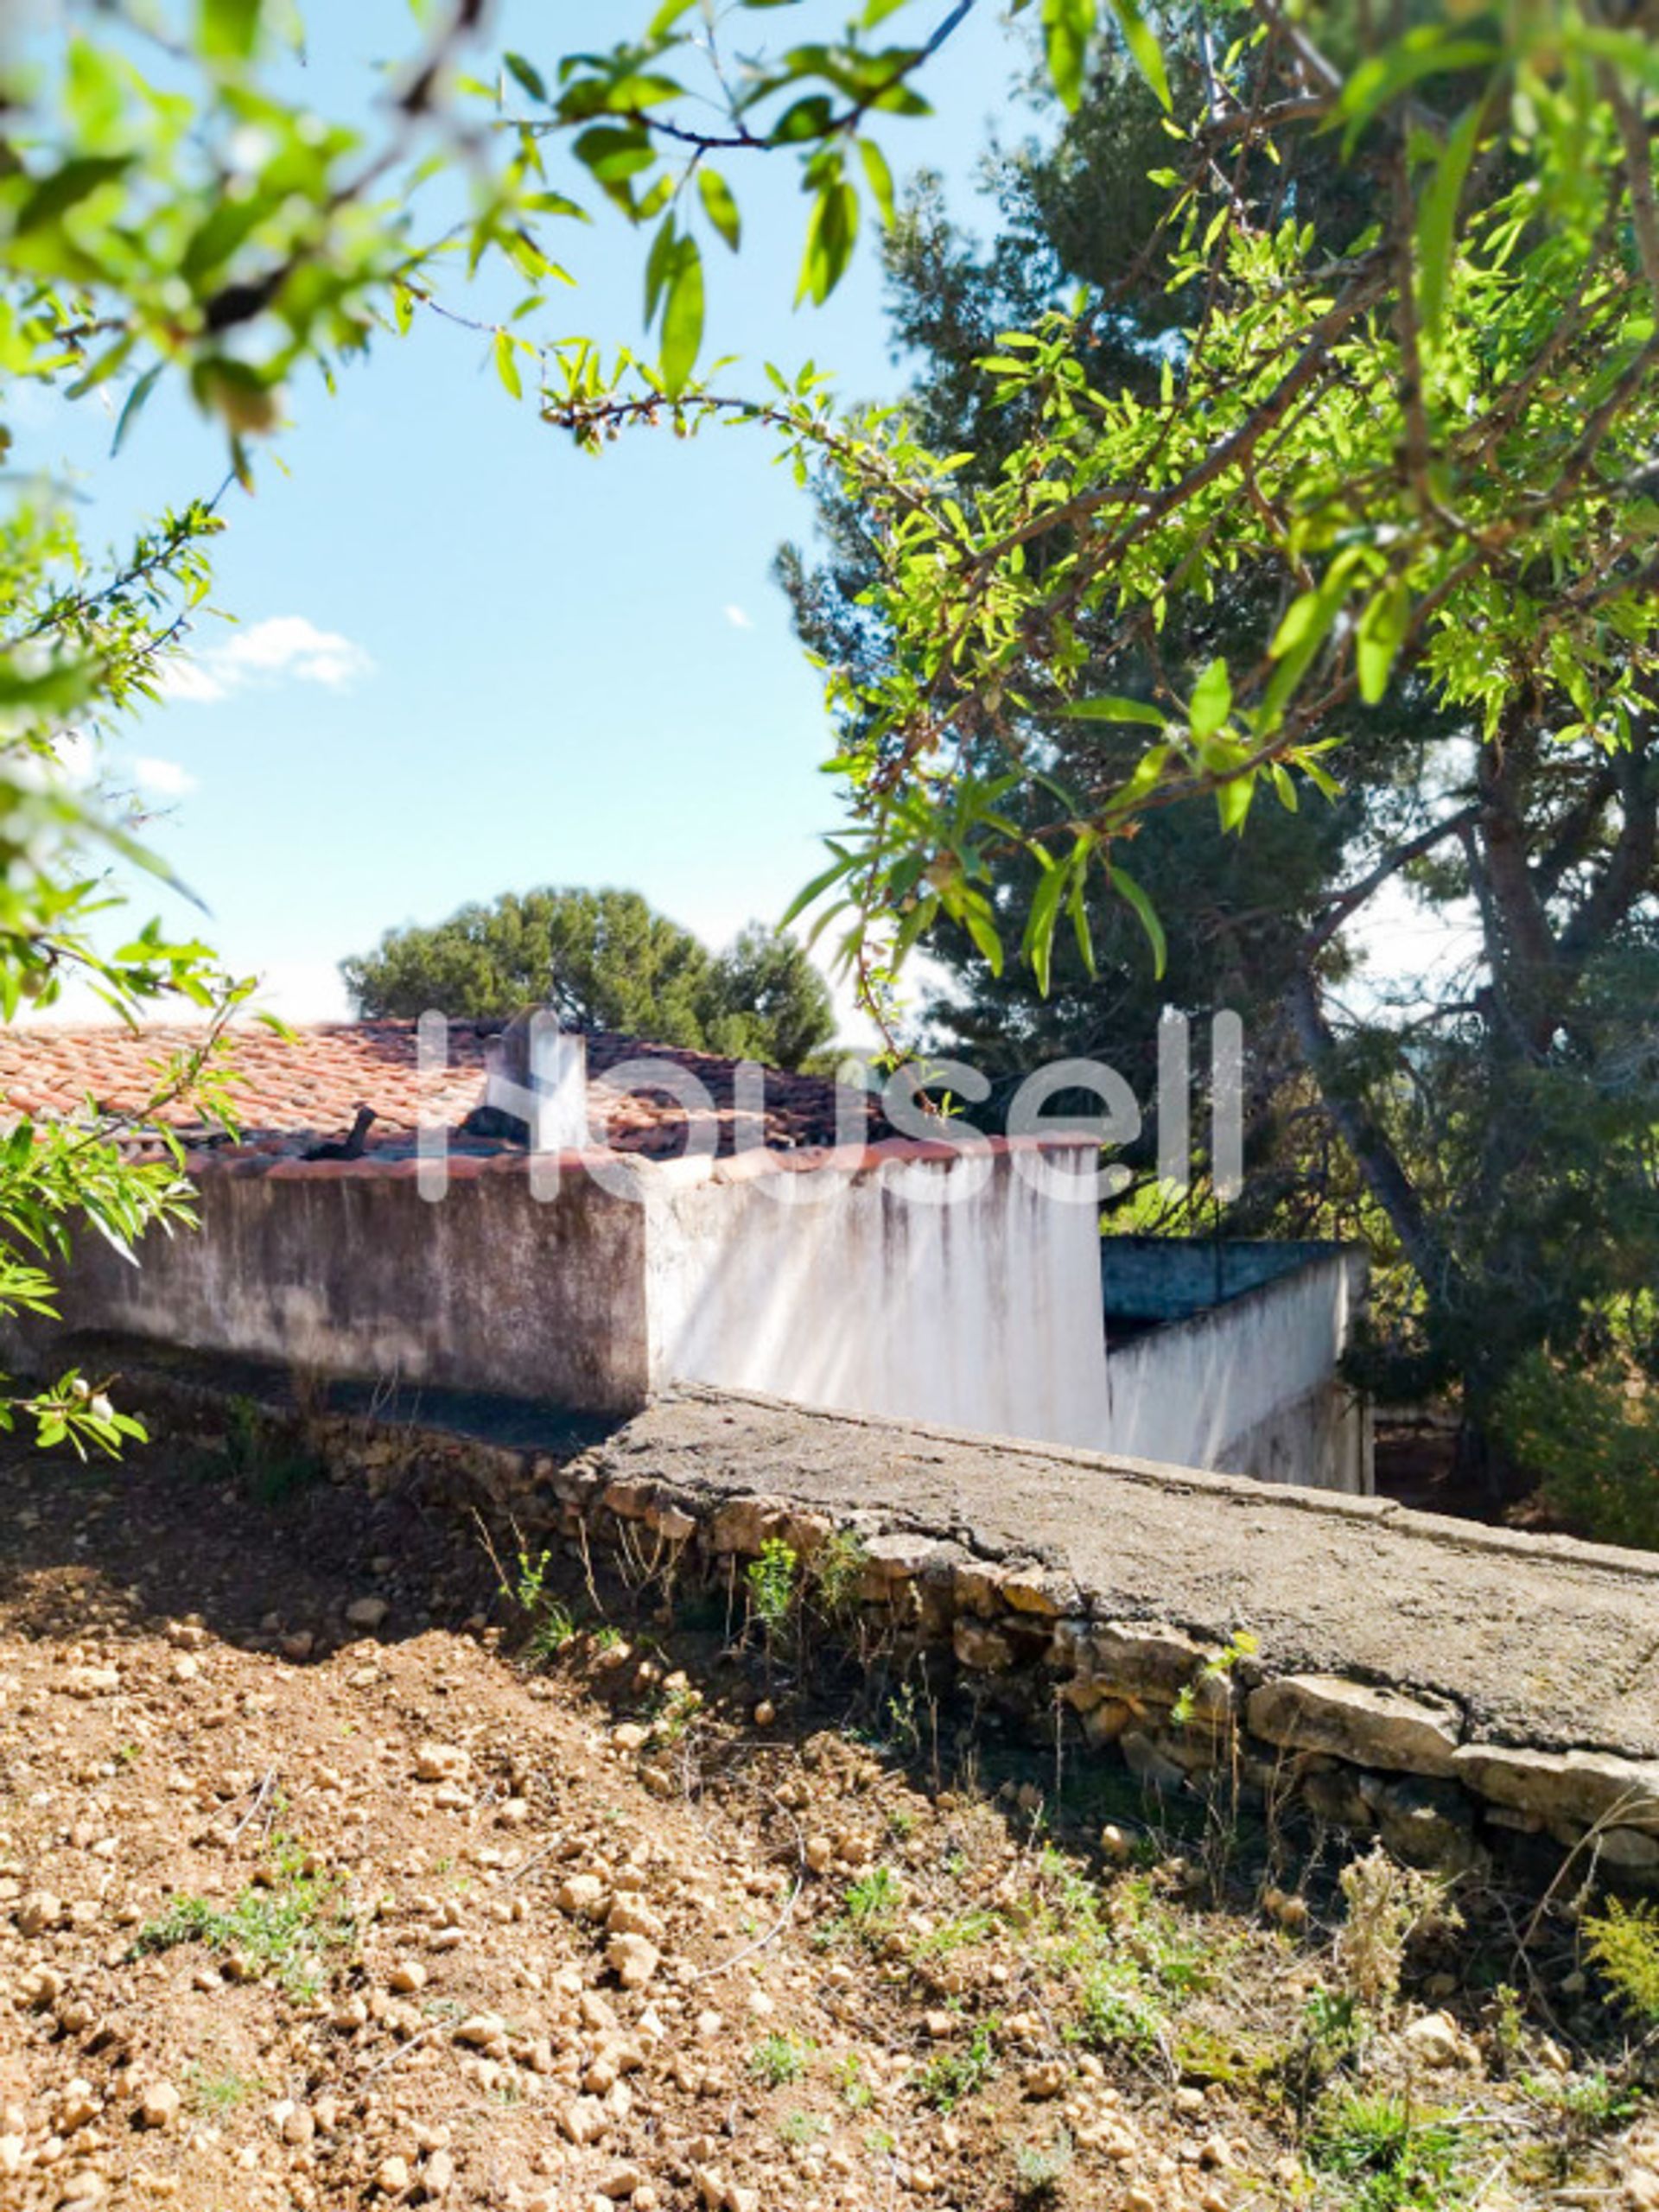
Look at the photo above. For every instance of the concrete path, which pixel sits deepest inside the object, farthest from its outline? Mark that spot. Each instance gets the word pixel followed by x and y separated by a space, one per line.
pixel 1541 1640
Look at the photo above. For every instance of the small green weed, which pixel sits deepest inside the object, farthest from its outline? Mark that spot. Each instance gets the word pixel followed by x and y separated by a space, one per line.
pixel 856 2092
pixel 951 1935
pixel 1393 2158
pixel 1592 2104
pixel 554 1631
pixel 802 2127
pixel 1040 2167
pixel 777 2059
pixel 1241 1645
pixel 871 1901
pixel 529 1587
pixel 945 2081
pixel 837 1574
pixel 1118 2006
pixel 771 1580
pixel 281 1930
pixel 220 2094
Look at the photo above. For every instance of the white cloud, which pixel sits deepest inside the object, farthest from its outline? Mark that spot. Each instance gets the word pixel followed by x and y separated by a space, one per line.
pixel 739 619
pixel 286 648
pixel 183 676
pixel 163 779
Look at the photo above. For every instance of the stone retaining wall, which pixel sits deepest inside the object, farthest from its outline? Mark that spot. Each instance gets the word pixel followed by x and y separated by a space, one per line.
pixel 679 1495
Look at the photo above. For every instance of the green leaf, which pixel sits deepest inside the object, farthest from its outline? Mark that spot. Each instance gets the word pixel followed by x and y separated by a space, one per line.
pixel 1298 637
pixel 1428 51
pixel 660 266
pixel 527 74
pixel 1038 943
pixel 842 863
pixel 831 228
pixel 1437 220
pixel 135 406
pixel 1068 25
pixel 1233 800
pixel 979 928
pixel 229 29
pixel 719 207
pixel 506 365
pixel 1381 633
pixel 613 152
pixel 683 310
pixel 1212 699
pixel 54 195
pixel 1110 709
pixel 1134 896
pixel 1638 56
pixel 1142 43
pixel 881 179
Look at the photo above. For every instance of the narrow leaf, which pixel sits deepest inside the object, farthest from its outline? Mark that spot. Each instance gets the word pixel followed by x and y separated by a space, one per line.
pixel 683 318
pixel 1437 220
pixel 1142 43
pixel 1134 896
pixel 719 207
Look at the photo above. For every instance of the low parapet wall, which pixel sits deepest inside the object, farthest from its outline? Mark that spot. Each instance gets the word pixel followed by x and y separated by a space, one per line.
pixel 1249 1384
pixel 899 1278
pixel 1469 1694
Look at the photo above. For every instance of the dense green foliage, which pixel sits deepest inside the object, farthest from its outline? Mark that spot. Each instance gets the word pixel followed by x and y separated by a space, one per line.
pixel 1488 1114
pixel 603 960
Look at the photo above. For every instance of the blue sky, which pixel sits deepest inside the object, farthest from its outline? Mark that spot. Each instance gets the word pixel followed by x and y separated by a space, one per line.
pixel 468 659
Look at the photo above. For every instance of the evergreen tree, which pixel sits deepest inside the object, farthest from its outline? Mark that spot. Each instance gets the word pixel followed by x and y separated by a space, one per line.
pixel 603 960
pixel 1487 1123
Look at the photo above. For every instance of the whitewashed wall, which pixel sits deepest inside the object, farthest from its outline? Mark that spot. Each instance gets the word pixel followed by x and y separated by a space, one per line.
pixel 1250 1386
pixel 857 1293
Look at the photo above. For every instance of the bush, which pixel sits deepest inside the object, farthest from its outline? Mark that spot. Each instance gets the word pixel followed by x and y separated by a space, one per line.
pixel 1624 1944
pixel 1593 1439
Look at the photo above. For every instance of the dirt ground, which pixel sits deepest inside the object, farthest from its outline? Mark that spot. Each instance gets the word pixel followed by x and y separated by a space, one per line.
pixel 332 1875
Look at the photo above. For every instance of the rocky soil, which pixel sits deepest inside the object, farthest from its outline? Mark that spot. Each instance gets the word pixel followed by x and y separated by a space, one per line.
pixel 332 1874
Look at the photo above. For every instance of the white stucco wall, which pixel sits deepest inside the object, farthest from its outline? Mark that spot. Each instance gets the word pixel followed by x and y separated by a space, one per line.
pixel 1250 1386
pixel 861 1292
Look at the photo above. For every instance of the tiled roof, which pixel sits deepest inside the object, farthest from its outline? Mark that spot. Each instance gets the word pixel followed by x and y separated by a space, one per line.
pixel 288 1092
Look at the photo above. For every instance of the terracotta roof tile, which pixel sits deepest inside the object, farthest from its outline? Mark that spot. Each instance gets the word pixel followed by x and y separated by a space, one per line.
pixel 287 1093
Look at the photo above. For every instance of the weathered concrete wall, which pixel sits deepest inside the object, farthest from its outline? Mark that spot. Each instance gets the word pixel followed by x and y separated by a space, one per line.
pixel 344 1269
pixel 901 1279
pixel 898 1279
pixel 1249 1386
pixel 928 1289
pixel 1322 1442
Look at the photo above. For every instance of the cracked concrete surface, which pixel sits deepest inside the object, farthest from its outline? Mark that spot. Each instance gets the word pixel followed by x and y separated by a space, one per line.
pixel 1538 1640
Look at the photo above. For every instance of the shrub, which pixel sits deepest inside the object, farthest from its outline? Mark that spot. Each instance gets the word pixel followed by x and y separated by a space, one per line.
pixel 1624 1944
pixel 1593 1439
